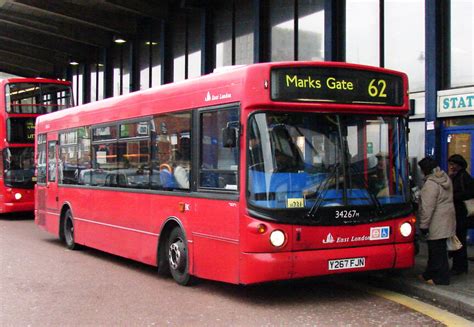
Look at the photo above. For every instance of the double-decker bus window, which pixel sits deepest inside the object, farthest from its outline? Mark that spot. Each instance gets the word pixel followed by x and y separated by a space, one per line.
pixel 68 167
pixel 52 162
pixel 37 98
pixel 21 130
pixel 171 151
pixel 41 163
pixel 219 164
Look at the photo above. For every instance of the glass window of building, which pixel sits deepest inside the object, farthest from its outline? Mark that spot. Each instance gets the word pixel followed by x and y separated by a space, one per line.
pixel 282 27
pixel 77 83
pixel 462 44
pixel 149 57
pixel 121 64
pixel 144 47
pixel 126 68
pixel 117 59
pixel 155 60
pixel 194 46
pixel 310 30
pixel 223 34
pixel 405 39
pixel 362 32
pixel 179 48
pixel 244 27
pixel 97 81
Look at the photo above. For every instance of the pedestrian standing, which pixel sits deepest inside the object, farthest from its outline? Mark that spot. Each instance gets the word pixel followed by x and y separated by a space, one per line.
pixel 437 220
pixel 463 189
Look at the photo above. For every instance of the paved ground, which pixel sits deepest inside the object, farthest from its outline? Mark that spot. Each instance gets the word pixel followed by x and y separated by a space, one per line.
pixel 44 284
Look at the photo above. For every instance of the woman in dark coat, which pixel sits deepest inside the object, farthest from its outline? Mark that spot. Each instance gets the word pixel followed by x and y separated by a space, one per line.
pixel 463 189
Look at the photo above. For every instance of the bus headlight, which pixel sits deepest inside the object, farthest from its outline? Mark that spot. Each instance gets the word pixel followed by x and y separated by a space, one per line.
pixel 277 238
pixel 18 196
pixel 406 229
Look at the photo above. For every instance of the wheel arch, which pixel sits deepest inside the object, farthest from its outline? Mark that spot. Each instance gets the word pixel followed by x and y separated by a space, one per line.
pixel 168 225
pixel 65 207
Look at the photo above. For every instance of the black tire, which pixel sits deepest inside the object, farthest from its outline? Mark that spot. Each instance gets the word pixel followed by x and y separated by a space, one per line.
pixel 177 254
pixel 68 229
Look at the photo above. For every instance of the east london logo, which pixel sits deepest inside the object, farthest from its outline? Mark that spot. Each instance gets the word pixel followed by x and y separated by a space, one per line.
pixel 215 97
pixel 329 239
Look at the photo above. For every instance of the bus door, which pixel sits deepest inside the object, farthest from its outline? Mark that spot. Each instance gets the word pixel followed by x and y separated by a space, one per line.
pixel 52 176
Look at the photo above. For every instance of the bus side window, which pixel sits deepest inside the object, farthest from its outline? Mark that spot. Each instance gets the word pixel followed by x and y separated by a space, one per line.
pixel 171 151
pixel 219 164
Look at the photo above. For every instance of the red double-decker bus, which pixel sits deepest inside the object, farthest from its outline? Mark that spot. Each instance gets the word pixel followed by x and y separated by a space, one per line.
pixel 21 101
pixel 264 172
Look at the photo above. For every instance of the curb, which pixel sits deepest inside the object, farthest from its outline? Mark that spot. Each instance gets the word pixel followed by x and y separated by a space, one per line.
pixel 436 295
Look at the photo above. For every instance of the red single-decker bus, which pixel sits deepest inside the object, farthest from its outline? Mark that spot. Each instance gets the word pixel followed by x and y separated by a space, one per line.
pixel 265 172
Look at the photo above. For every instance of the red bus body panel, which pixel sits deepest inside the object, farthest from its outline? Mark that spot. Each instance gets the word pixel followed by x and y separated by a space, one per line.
pixel 223 243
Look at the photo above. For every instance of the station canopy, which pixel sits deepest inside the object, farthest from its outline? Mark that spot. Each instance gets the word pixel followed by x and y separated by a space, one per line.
pixel 39 38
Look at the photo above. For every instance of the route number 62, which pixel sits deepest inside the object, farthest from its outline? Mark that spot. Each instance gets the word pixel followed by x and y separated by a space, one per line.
pixel 377 88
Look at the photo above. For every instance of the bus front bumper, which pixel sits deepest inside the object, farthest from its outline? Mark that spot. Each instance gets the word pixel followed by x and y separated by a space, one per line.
pixel 9 207
pixel 263 267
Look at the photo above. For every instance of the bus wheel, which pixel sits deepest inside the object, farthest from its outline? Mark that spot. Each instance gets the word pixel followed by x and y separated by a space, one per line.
pixel 178 257
pixel 69 231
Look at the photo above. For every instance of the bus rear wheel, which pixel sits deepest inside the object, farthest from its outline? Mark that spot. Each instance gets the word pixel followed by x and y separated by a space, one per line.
pixel 69 231
pixel 178 260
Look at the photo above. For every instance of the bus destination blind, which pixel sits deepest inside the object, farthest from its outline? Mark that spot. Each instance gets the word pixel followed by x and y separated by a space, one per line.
pixel 336 85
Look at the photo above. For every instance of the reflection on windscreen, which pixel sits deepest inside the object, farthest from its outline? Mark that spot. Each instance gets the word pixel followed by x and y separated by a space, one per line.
pixel 18 167
pixel 316 160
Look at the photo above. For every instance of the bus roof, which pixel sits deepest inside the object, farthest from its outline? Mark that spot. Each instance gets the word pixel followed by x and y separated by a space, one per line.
pixel 248 85
pixel 32 80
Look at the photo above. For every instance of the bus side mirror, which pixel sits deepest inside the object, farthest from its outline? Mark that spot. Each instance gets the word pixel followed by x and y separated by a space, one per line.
pixel 229 137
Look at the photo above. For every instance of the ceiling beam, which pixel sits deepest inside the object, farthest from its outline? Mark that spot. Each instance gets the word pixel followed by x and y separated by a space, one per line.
pixel 33 52
pixel 140 7
pixel 84 14
pixel 15 59
pixel 64 29
pixel 72 49
pixel 19 70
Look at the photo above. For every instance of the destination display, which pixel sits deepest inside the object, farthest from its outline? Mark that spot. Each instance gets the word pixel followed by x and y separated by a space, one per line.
pixel 336 85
